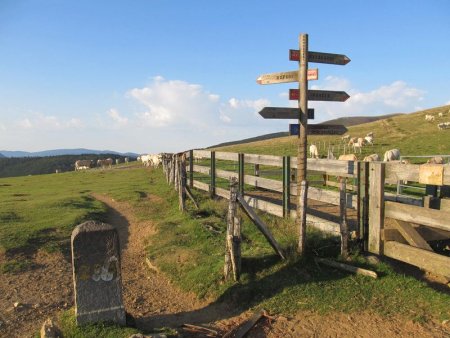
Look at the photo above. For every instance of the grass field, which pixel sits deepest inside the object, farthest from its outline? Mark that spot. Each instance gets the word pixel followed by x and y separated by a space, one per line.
pixel 410 133
pixel 39 212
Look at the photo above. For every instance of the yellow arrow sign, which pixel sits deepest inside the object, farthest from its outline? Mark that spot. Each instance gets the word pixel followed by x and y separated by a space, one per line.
pixel 284 77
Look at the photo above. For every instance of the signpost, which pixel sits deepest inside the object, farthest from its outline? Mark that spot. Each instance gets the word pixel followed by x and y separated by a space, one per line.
pixel 283 113
pixel 302 94
pixel 319 129
pixel 284 77
pixel 320 95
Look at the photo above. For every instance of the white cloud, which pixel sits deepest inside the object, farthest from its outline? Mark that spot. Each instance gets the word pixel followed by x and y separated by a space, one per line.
pixel 395 97
pixel 117 119
pixel 47 122
pixel 447 103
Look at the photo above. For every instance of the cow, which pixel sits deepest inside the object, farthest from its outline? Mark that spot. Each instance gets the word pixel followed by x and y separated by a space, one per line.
pixel 127 160
pixel 391 155
pixel 105 163
pixel 83 164
pixel 145 159
pixel 348 157
pixel 358 144
pixel 369 140
pixel 429 118
pixel 313 152
pixel 436 160
pixel 117 160
pixel 371 158
pixel 156 160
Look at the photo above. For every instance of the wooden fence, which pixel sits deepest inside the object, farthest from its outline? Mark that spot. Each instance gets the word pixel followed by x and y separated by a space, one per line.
pixel 400 227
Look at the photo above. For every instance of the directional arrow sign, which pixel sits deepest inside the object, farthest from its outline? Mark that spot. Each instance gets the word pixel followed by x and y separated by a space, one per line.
pixel 320 129
pixel 320 95
pixel 283 77
pixel 283 113
pixel 317 57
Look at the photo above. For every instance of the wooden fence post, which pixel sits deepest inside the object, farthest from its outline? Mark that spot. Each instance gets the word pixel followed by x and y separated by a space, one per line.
pixel 256 169
pixel 343 217
pixel 363 204
pixel 212 187
pixel 376 207
pixel 232 244
pixel 182 185
pixel 286 186
pixel 241 173
pixel 191 169
pixel 177 172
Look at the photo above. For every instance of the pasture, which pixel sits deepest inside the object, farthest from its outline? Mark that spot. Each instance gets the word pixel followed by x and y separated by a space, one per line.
pixel 39 212
pixel 410 133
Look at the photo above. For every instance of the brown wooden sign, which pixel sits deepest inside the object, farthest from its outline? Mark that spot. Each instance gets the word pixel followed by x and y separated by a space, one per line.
pixel 317 57
pixel 285 77
pixel 320 95
pixel 319 129
pixel 283 113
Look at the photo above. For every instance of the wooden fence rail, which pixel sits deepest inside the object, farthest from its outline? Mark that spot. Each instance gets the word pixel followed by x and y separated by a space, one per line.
pixel 399 227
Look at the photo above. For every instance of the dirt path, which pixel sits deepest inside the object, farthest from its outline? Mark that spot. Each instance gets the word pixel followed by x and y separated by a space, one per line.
pixel 154 302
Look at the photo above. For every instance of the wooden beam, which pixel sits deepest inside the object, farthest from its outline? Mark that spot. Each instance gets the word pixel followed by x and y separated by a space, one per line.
pixel 376 207
pixel 261 226
pixel 434 218
pixel 225 174
pixel 423 259
pixel 391 234
pixel 411 235
pixel 201 185
pixel 346 267
pixel 271 160
pixel 396 171
pixel 220 155
pixel 201 169
pixel 202 154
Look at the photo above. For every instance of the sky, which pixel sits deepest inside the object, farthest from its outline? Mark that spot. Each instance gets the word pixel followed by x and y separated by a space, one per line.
pixel 151 76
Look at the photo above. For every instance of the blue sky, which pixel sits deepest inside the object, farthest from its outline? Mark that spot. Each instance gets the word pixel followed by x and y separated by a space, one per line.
pixel 151 76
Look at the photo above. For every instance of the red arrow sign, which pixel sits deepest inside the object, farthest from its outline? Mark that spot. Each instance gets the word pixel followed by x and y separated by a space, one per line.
pixel 320 95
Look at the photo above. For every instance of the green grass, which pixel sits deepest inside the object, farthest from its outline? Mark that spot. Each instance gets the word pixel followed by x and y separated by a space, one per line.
pixel 39 212
pixel 410 133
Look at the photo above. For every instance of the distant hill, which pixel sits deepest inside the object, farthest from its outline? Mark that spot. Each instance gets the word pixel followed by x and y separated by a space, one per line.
pixel 23 166
pixel 60 152
pixel 356 120
pixel 346 121
pixel 2 155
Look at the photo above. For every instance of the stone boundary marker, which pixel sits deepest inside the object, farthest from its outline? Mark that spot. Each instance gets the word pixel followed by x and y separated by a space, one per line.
pixel 96 274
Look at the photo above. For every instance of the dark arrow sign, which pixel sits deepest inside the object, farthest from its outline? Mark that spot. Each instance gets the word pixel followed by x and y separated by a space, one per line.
pixel 320 95
pixel 283 113
pixel 320 129
pixel 317 57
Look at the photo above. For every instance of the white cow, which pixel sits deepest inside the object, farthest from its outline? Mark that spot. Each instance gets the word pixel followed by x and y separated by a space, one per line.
pixel 313 152
pixel 348 157
pixel 83 164
pixel 145 159
pixel 369 140
pixel 156 160
pixel 371 158
pixel 358 145
pixel 429 118
pixel 436 160
pixel 105 163
pixel 391 155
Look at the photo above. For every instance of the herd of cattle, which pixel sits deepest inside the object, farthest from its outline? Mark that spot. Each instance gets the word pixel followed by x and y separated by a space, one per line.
pixel 358 142
pixel 147 160
pixel 441 125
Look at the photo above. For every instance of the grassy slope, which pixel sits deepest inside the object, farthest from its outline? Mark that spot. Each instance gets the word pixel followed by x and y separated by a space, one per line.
pixel 192 256
pixel 409 133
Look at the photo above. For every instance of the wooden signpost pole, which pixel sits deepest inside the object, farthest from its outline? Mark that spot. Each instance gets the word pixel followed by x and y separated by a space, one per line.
pixel 302 142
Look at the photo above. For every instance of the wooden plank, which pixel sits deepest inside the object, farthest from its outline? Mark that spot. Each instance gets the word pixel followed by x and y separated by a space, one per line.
pixel 270 208
pixel 265 183
pixel 321 224
pixel 403 199
pixel 261 226
pixel 346 267
pixel 326 196
pixel 201 169
pixel 343 218
pixel 411 235
pixel 202 154
pixel 376 207
pixel 331 167
pixel 431 234
pixel 391 234
pixel 431 174
pixel 221 155
pixel 423 259
pixel 224 193
pixel 225 174
pixel 242 329
pixel 396 171
pixel 276 161
pixel 409 213
pixel 201 185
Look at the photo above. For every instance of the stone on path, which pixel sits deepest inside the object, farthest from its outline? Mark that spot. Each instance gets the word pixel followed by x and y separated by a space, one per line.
pixel 96 274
